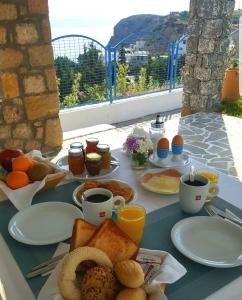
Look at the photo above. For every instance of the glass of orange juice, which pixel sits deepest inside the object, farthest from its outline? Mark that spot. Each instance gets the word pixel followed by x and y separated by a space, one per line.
pixel 131 219
pixel 212 177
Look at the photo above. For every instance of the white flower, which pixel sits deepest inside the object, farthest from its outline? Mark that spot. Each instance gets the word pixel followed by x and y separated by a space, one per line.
pixel 144 146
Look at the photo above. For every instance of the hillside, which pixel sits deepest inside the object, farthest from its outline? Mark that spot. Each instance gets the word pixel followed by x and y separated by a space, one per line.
pixel 172 26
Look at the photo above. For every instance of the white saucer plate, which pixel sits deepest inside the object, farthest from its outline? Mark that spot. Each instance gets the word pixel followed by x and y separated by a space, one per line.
pixel 122 184
pixel 210 241
pixel 44 223
pixel 162 192
pixel 62 163
pixel 171 161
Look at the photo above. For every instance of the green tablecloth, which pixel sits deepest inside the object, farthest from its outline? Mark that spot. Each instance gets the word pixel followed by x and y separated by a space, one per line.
pixel 199 282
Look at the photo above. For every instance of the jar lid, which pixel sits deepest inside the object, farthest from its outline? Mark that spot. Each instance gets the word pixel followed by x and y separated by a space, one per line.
pixel 75 152
pixel 76 145
pixel 92 140
pixel 103 147
pixel 93 156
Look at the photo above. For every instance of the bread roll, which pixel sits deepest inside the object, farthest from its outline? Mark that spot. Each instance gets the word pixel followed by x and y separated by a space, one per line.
pixel 129 273
pixel 132 294
pixel 67 278
pixel 99 283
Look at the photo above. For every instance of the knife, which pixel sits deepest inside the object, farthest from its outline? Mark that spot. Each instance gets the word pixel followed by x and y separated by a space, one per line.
pixel 226 214
pixel 42 270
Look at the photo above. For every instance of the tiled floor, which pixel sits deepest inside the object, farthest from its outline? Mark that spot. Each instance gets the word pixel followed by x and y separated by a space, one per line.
pixel 211 138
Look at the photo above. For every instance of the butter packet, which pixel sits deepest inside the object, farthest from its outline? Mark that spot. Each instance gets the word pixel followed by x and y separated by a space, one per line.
pixel 159 267
pixel 150 264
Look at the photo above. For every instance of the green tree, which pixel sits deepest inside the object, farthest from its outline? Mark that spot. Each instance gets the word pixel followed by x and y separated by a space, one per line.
pixel 92 67
pixel 73 98
pixel 122 84
pixel 121 55
pixel 65 72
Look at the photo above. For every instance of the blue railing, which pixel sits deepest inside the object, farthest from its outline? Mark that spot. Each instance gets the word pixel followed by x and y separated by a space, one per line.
pixel 89 72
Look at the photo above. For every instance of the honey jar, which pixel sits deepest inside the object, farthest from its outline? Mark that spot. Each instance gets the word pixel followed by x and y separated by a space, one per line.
pixel 91 145
pixel 76 161
pixel 93 163
pixel 104 151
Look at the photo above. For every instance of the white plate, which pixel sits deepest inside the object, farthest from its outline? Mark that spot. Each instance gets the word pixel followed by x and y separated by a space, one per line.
pixel 44 223
pixel 62 163
pixel 164 192
pixel 210 241
pixel 171 161
pixel 122 183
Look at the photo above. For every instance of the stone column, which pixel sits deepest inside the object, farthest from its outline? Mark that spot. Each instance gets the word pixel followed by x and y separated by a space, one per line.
pixel 207 46
pixel 29 106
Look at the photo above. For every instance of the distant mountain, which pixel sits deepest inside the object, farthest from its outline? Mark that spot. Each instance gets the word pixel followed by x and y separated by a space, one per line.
pixel 172 26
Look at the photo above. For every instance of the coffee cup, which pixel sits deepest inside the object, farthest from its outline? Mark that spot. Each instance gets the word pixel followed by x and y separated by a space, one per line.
pixel 193 194
pixel 98 205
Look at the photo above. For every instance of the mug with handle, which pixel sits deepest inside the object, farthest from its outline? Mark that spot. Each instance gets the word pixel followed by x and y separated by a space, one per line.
pixel 97 212
pixel 192 198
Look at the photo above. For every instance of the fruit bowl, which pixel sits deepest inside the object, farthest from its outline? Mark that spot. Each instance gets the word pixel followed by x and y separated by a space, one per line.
pixel 22 197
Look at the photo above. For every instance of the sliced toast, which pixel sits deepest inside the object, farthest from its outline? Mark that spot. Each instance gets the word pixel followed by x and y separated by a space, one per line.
pixel 114 242
pixel 81 233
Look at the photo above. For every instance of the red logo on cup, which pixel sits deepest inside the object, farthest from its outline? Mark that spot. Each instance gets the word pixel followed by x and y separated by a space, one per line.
pixel 102 214
pixel 198 197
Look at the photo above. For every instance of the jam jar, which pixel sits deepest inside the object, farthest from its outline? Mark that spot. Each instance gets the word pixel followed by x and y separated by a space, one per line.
pixel 91 145
pixel 104 151
pixel 77 145
pixel 93 163
pixel 76 161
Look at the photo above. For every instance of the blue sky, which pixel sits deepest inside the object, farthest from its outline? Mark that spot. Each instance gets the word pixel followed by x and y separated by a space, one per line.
pixel 96 18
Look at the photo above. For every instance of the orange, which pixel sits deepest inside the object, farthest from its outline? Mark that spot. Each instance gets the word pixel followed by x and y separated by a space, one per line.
pixel 22 163
pixel 17 179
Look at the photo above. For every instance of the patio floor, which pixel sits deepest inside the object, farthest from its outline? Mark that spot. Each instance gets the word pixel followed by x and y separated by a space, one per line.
pixel 210 138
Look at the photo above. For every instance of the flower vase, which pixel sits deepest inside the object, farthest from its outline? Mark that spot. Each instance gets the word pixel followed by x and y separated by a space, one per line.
pixel 139 160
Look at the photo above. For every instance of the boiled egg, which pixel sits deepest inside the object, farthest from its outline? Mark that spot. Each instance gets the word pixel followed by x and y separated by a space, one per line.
pixel 163 143
pixel 177 140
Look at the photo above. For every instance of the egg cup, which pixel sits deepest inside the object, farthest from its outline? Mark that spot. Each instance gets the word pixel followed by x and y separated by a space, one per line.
pixel 177 149
pixel 162 153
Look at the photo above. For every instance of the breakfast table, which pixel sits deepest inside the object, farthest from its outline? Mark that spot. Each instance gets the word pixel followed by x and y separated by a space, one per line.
pixel 163 211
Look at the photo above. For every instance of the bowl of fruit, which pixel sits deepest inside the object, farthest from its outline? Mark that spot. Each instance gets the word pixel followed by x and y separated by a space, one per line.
pixel 23 175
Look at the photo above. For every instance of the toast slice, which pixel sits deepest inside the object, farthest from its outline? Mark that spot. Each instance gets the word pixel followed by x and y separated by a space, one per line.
pixel 114 242
pixel 81 233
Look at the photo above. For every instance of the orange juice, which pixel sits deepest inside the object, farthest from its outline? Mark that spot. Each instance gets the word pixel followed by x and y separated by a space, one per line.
pixel 131 219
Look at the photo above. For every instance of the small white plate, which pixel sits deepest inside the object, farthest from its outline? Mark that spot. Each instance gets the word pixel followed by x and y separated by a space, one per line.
pixel 210 241
pixel 171 161
pixel 164 191
pixel 122 184
pixel 62 163
pixel 44 223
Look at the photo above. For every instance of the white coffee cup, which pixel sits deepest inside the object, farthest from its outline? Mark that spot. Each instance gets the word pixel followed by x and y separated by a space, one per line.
pixel 97 212
pixel 192 198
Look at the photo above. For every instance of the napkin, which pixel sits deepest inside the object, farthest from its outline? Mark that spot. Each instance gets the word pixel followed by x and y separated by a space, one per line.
pixel 171 271
pixel 15 285
pixel 22 197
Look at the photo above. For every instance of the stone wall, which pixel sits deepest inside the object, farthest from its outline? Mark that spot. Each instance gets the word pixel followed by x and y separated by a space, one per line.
pixel 207 46
pixel 29 108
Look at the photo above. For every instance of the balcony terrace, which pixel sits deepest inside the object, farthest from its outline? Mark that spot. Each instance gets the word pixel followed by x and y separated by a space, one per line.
pixel 210 138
